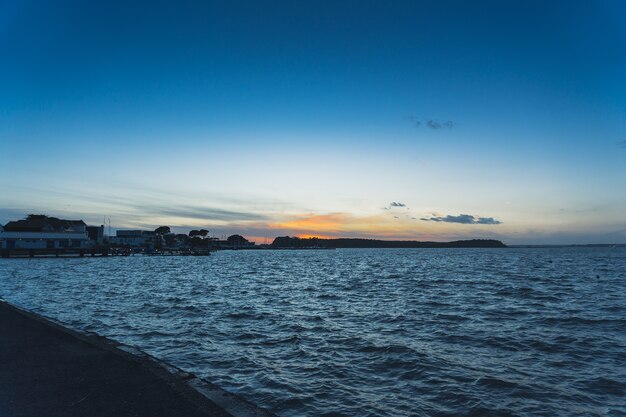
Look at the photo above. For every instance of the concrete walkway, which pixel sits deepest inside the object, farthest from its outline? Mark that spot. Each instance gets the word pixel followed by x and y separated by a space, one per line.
pixel 48 370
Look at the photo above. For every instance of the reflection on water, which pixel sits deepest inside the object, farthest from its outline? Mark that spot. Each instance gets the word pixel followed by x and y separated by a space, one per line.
pixel 363 332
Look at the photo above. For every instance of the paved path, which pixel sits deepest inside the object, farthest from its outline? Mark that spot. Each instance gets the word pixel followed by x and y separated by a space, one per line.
pixel 49 371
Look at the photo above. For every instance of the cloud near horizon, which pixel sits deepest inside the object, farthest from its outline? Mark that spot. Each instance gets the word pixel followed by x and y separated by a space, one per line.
pixel 395 204
pixel 462 219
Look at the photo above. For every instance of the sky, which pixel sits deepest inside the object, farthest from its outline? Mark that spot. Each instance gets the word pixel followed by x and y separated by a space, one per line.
pixel 425 120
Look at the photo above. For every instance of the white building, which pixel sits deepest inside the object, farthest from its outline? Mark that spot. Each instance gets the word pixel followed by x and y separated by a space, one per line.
pixel 43 232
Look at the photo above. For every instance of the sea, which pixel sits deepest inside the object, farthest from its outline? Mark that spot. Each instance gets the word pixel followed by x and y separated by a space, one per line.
pixel 362 332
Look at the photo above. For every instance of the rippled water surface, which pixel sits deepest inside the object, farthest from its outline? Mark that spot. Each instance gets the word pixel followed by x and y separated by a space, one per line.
pixel 359 332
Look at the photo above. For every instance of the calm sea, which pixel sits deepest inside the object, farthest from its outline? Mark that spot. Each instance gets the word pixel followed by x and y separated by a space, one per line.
pixel 382 332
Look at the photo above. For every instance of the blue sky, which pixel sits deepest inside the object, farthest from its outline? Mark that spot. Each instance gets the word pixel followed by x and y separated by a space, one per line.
pixel 271 118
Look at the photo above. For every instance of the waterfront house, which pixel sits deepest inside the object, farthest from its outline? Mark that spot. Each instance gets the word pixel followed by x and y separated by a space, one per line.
pixel 43 232
pixel 134 238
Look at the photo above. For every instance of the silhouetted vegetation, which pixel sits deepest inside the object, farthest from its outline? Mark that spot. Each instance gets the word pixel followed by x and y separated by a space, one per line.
pixel 201 232
pixel 295 242
pixel 39 217
pixel 237 241
pixel 163 230
pixel 197 242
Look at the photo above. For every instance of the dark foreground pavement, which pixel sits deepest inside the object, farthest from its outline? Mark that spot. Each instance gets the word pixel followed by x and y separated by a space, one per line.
pixel 47 370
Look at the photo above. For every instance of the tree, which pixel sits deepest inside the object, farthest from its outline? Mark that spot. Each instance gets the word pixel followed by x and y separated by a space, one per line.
pixel 163 230
pixel 236 241
pixel 201 232
pixel 38 217
pixel 170 239
pixel 197 241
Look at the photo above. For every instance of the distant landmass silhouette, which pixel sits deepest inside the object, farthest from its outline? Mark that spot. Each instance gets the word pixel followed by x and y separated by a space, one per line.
pixel 295 242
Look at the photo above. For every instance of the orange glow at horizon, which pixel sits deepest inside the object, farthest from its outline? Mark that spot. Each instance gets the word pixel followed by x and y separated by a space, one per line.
pixel 334 222
pixel 333 225
pixel 311 236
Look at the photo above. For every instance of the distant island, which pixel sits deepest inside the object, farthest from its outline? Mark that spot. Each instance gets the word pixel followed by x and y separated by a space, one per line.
pixel 287 242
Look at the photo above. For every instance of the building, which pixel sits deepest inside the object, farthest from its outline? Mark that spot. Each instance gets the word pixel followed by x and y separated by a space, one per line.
pixel 134 238
pixel 43 232
pixel 96 234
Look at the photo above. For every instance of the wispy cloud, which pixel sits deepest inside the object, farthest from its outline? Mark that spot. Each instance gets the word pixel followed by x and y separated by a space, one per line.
pixel 462 219
pixel 200 212
pixel 433 124
pixel 622 143
pixel 617 232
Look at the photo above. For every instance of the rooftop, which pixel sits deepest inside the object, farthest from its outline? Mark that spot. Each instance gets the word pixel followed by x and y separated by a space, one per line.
pixel 41 223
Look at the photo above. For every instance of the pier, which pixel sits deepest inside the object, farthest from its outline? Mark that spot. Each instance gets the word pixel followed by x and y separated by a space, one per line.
pixel 49 370
pixel 100 252
pixel 59 253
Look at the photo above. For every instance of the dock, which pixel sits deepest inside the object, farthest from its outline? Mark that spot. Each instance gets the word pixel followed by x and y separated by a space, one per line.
pixel 49 370
pixel 61 252
pixel 100 252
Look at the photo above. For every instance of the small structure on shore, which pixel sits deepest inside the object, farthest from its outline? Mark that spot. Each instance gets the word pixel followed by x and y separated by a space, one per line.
pixel 134 239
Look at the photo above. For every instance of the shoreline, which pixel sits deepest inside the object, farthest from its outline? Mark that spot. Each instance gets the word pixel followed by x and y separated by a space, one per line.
pixel 49 369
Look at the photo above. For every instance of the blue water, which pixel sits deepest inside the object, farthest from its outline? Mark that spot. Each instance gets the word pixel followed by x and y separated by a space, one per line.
pixel 383 332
